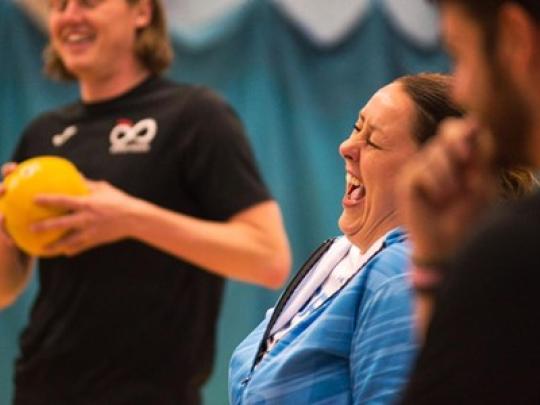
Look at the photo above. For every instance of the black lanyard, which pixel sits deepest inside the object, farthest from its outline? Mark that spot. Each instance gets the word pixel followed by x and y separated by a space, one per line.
pixel 304 270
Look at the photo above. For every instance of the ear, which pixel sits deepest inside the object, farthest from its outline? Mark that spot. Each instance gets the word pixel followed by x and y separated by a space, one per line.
pixel 518 40
pixel 144 10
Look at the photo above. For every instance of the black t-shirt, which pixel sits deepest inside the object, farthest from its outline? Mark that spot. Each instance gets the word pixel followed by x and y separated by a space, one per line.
pixel 125 323
pixel 483 344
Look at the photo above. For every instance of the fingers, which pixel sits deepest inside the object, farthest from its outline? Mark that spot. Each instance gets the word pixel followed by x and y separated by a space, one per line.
pixel 469 150
pixel 458 138
pixel 438 172
pixel 437 175
pixel 75 239
pixel 8 168
pixel 433 175
pixel 93 185
pixel 4 237
pixel 69 203
pixel 72 243
pixel 64 222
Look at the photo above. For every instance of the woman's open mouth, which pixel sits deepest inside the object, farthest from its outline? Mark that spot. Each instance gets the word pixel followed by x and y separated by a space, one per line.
pixel 355 190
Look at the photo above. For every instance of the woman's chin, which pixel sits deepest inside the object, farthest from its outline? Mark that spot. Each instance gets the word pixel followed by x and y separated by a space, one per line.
pixel 349 225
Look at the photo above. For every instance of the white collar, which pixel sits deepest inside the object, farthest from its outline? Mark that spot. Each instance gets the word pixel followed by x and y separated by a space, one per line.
pixel 319 273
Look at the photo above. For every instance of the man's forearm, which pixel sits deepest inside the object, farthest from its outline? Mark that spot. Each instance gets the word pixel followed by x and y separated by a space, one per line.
pixel 251 247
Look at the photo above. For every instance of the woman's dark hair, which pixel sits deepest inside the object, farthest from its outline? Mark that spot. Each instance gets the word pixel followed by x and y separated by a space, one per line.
pixel 431 95
pixel 152 47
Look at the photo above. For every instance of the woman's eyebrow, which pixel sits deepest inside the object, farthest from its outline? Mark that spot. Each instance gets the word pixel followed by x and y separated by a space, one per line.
pixel 373 127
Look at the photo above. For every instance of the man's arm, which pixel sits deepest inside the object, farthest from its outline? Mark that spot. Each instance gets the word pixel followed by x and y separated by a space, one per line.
pixel 15 270
pixel 444 192
pixel 251 246
pixel 15 266
pixel 481 346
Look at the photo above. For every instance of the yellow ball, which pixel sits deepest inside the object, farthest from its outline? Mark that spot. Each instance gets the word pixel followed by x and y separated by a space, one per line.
pixel 39 175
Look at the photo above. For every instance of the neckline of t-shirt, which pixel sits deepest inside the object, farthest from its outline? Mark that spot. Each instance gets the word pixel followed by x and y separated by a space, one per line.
pixel 356 257
pixel 112 102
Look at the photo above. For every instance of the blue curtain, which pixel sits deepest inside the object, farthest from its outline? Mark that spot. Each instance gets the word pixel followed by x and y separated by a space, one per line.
pixel 297 99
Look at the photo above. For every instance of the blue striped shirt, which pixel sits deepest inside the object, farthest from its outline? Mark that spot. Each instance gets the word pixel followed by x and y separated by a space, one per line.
pixel 356 348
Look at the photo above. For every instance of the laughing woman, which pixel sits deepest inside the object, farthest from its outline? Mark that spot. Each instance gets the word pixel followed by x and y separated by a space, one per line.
pixel 342 332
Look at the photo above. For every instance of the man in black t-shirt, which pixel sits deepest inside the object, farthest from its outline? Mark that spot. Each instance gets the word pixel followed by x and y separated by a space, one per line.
pixel 127 307
pixel 481 346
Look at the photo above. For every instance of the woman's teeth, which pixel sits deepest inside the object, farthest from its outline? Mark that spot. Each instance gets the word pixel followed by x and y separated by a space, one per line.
pixel 350 179
pixel 355 188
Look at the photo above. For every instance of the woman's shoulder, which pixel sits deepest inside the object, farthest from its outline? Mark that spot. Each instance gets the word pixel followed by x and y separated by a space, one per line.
pixel 388 269
pixel 394 255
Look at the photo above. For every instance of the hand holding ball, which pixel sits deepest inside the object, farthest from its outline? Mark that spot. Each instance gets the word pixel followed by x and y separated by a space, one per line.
pixel 40 175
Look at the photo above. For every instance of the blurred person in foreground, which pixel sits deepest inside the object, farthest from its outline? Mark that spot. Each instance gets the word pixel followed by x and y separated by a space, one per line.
pixel 127 307
pixel 479 288
pixel 342 331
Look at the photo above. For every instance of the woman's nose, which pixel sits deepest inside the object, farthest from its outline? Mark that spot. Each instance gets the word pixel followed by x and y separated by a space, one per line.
pixel 349 149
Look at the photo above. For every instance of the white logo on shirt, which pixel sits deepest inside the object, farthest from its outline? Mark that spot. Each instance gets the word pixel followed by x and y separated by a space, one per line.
pixel 60 139
pixel 128 138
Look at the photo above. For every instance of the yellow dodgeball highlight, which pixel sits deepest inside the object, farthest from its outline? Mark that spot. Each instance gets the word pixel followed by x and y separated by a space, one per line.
pixel 39 175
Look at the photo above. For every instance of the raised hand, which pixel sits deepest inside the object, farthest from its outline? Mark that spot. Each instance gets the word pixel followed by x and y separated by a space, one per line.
pixel 445 189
